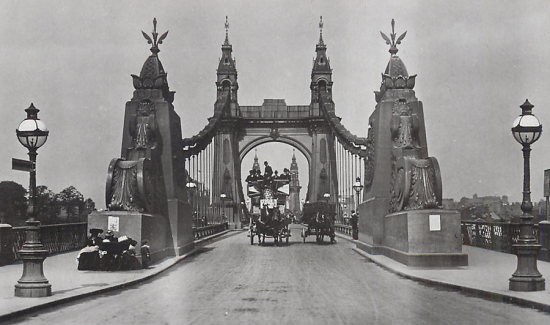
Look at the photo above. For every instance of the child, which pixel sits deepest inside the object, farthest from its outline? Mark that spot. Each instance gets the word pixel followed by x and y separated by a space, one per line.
pixel 145 254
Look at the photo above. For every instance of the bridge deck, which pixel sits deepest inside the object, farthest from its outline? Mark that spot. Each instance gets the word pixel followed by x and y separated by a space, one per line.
pixel 256 277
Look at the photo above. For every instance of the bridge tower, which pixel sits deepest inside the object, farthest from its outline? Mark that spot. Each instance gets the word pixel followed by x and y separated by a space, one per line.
pixel 323 179
pixel 238 129
pixel 294 196
pixel 226 185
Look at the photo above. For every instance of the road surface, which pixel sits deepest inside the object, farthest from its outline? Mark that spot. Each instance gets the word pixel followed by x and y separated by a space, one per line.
pixel 231 282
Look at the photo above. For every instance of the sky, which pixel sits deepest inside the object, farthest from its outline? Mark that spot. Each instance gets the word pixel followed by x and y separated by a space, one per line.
pixel 476 61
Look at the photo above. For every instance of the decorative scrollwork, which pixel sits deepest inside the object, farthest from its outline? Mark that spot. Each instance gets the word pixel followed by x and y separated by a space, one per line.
pixel 122 186
pixel 371 153
pixel 131 186
pixel 416 184
pixel 144 132
pixel 274 133
pixel 404 126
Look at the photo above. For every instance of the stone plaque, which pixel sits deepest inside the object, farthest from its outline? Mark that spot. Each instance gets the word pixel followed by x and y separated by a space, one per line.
pixel 113 223
pixel 435 222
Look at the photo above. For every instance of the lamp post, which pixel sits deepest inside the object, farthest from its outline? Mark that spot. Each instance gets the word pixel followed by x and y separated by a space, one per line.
pixel 191 187
pixel 526 130
pixel 358 187
pixel 223 196
pixel 32 133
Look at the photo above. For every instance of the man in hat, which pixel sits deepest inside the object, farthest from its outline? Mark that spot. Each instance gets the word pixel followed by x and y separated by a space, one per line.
pixel 110 236
pixel 354 221
pixel 268 171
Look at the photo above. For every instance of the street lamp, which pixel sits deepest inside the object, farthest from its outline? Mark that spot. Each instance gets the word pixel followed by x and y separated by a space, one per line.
pixel 191 186
pixel 223 196
pixel 358 187
pixel 526 130
pixel 32 133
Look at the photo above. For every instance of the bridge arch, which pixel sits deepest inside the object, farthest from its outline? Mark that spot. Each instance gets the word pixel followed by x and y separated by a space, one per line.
pixel 265 139
pixel 215 155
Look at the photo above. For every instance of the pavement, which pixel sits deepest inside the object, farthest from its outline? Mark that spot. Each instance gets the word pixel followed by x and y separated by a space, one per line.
pixel 486 276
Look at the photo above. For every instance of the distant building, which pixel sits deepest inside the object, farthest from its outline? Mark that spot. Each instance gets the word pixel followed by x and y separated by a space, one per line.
pixel 491 208
pixel 294 194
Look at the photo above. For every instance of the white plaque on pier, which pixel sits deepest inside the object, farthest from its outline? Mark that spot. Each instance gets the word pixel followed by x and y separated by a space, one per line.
pixel 113 223
pixel 435 222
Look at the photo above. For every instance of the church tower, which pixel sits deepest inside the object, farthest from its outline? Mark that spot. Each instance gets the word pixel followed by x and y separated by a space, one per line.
pixel 294 196
pixel 256 165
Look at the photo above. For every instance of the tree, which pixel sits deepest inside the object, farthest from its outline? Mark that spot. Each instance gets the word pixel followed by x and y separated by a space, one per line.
pixel 13 203
pixel 45 201
pixel 89 206
pixel 71 200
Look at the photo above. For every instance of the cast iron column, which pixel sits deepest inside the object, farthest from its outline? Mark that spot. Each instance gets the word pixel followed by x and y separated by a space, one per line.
pixel 33 283
pixel 527 130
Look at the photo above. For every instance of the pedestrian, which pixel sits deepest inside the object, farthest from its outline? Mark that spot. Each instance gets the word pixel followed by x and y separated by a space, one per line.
pixel 88 257
pixel 354 221
pixel 145 254
pixel 268 171
pixel 251 177
pixel 286 174
pixel 259 176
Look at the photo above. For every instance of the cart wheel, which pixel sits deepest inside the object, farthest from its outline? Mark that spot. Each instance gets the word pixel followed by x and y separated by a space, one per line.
pixel 287 238
pixel 251 238
pixel 304 234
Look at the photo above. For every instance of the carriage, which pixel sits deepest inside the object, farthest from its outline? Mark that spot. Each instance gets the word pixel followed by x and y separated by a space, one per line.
pixel 318 218
pixel 268 197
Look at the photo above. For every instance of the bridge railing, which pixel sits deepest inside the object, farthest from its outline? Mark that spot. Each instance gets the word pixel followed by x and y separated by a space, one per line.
pixel 68 237
pixel 201 232
pixel 497 236
pixel 56 239
pixel 343 229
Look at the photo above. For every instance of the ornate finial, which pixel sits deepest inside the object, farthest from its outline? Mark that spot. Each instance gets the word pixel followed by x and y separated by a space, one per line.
pixel 321 30
pixel 226 31
pixel 154 42
pixel 393 43
pixel 527 108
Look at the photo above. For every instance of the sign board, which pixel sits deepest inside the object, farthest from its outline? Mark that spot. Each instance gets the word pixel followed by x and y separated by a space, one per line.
pixel 435 222
pixel 270 203
pixel 23 165
pixel 113 223
pixel 547 182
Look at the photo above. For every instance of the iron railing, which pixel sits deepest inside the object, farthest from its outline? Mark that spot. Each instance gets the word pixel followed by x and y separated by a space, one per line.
pixel 343 229
pixel 497 236
pixel 72 236
pixel 201 232
pixel 55 238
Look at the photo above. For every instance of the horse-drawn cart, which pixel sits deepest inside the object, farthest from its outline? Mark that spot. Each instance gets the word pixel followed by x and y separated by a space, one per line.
pixel 270 222
pixel 319 221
